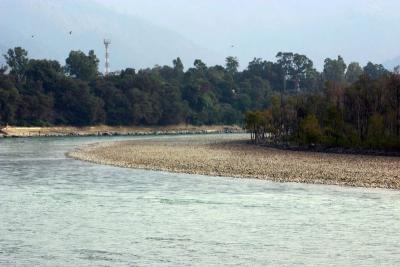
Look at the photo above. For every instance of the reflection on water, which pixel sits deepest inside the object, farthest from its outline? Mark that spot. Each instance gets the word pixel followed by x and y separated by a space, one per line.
pixel 56 211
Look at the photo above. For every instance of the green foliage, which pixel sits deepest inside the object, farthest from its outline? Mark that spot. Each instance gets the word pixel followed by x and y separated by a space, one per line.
pixel 9 100
pixel 375 71
pixel 178 65
pixel 77 106
pixel 334 70
pixel 294 67
pixel 199 65
pixel 376 130
pixel 282 102
pixel 310 131
pixel 17 60
pixel 353 73
pixel 178 68
pixel 365 115
pixel 232 65
pixel 81 66
pixel 261 125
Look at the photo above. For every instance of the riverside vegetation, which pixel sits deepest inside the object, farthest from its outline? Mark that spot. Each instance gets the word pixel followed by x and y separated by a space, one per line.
pixel 362 116
pixel 287 100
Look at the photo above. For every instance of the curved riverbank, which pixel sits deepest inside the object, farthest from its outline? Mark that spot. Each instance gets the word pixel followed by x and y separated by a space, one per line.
pixel 232 156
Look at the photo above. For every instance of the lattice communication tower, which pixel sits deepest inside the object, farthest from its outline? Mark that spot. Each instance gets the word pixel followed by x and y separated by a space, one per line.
pixel 107 43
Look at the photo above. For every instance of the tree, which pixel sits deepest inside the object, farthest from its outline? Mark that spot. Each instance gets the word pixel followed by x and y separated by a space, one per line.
pixel 9 99
pixel 199 65
pixel 256 67
pixel 396 69
pixel 310 131
pixel 76 105
pixel 393 102
pixel 294 67
pixel 47 72
pixel 178 65
pixel 348 110
pixel 252 123
pixel 231 65
pixel 117 105
pixel 334 70
pixel 285 61
pixel 172 106
pixel 375 71
pixel 17 60
pixel 376 130
pixel 353 73
pixel 82 66
pixel 3 69
pixel 302 66
pixel 36 107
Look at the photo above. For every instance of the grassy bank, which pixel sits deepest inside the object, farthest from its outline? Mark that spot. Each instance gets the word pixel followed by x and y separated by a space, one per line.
pixel 231 155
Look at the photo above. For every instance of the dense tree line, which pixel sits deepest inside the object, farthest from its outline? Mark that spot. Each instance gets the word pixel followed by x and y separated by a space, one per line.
pixel 357 108
pixel 43 92
pixel 349 104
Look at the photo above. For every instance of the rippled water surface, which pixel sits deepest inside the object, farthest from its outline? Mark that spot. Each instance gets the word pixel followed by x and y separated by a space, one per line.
pixel 55 211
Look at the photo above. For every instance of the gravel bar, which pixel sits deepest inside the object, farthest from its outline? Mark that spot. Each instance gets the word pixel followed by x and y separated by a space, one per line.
pixel 232 156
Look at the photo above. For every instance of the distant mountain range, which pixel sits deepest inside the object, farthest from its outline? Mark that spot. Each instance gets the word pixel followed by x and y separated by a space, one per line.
pixel 157 37
pixel 52 28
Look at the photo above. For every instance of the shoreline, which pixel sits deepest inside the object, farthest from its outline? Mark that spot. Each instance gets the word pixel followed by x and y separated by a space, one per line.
pixel 232 156
pixel 334 150
pixel 103 130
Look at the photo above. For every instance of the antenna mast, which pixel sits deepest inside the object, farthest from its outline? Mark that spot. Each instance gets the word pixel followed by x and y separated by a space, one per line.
pixel 107 43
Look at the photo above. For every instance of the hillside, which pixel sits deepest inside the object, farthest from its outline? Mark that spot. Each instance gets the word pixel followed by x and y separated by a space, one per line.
pixel 135 42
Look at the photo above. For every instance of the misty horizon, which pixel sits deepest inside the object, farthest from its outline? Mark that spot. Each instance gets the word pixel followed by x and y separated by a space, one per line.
pixel 150 34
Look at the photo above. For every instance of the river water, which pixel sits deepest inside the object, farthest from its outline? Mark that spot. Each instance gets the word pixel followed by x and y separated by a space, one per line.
pixel 56 211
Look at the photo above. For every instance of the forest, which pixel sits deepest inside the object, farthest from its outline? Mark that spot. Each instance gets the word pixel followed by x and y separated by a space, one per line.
pixel 357 109
pixel 287 100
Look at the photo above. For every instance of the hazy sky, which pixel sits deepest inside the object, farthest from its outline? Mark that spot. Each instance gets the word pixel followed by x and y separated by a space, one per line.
pixel 359 30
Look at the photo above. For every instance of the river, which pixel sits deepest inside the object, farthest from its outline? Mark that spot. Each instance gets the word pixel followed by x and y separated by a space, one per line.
pixel 56 211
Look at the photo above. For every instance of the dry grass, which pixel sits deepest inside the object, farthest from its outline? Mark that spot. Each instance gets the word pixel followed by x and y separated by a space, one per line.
pixel 229 155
